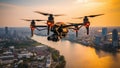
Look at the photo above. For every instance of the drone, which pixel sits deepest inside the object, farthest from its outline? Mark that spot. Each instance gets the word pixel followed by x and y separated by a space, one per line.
pixel 59 29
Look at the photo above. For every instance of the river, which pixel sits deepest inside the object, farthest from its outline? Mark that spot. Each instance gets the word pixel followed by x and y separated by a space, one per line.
pixel 80 56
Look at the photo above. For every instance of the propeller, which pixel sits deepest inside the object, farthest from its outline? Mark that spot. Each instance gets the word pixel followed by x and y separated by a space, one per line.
pixel 86 22
pixel 33 20
pixel 47 14
pixel 32 25
pixel 50 21
pixel 78 18
pixel 89 16
pixel 95 15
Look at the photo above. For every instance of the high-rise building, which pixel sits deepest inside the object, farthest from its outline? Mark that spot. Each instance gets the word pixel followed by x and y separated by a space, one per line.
pixel 97 40
pixel 115 39
pixel 6 30
pixel 104 33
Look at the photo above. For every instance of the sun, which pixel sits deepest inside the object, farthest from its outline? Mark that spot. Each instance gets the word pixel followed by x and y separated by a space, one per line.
pixel 81 1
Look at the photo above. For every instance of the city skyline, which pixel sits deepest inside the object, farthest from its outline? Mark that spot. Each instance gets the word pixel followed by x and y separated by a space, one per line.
pixel 13 11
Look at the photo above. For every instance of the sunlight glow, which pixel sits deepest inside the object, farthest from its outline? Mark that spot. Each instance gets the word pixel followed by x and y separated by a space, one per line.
pixel 82 1
pixel 71 8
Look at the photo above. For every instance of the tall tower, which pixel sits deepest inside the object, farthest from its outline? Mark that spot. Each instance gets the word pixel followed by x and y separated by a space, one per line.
pixel 6 30
pixel 115 39
pixel 104 33
pixel 97 40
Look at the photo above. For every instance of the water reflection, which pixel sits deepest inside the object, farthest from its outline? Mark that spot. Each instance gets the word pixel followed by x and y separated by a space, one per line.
pixel 79 56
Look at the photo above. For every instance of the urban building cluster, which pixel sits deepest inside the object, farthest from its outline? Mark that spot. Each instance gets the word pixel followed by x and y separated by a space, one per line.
pixel 31 57
pixel 17 50
pixel 107 39
pixel 111 39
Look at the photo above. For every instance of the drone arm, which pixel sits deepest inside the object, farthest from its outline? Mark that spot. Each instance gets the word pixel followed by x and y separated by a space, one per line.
pixel 72 25
pixel 71 28
pixel 40 26
pixel 80 26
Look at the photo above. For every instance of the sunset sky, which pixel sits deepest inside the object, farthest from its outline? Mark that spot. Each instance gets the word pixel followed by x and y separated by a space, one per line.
pixel 12 11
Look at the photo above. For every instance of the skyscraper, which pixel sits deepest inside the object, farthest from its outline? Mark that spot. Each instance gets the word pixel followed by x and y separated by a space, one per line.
pixel 97 40
pixel 115 39
pixel 104 33
pixel 6 30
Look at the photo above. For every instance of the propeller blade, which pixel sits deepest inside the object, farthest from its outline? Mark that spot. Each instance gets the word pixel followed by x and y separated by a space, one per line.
pixel 89 16
pixel 39 20
pixel 95 15
pixel 59 15
pixel 33 19
pixel 42 13
pixel 26 19
pixel 78 18
pixel 46 14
